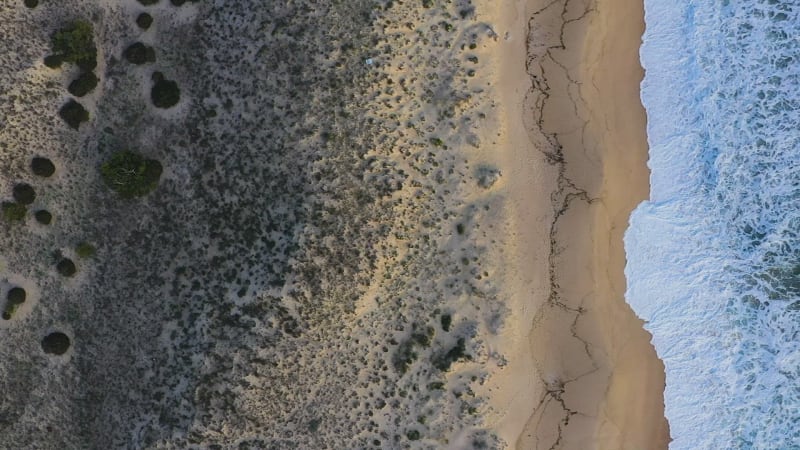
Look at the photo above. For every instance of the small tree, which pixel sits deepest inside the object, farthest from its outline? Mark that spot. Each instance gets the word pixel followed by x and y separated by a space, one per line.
pixel 75 44
pixel 130 174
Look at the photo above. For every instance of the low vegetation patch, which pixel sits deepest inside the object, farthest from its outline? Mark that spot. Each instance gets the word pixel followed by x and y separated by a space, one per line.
pixel 13 211
pixel 85 250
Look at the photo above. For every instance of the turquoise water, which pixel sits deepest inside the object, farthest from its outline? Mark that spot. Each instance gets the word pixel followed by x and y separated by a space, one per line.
pixel 714 256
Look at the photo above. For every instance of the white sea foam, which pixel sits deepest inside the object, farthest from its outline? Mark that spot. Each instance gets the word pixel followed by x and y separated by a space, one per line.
pixel 714 256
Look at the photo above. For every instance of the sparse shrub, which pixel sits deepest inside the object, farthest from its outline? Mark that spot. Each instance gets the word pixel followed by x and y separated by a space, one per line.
pixel 85 83
pixel 56 343
pixel 66 267
pixel 404 357
pixel 446 320
pixel 144 21
pixel 130 174
pixel 73 113
pixel 165 93
pixel 413 435
pixel 13 211
pixel 24 193
pixel 43 217
pixel 443 361
pixel 85 250
pixel 75 44
pixel 42 167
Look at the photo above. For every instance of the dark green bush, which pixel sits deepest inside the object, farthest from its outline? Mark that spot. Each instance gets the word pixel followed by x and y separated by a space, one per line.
pixel 148 2
pixel 138 53
pixel 75 44
pixel 14 211
pixel 85 83
pixel 53 61
pixel 42 167
pixel 73 113
pixel 165 93
pixel 31 3
pixel 66 267
pixel 24 193
pixel 130 174
pixel 15 297
pixel 43 217
pixel 144 21
pixel 56 343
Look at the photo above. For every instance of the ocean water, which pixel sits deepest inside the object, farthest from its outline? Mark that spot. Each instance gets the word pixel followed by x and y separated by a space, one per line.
pixel 714 256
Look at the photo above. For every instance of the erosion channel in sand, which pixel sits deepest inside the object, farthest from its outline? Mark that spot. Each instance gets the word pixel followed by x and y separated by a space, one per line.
pixel 596 381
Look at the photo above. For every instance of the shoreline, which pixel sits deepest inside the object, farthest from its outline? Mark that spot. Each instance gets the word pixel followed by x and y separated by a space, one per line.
pixel 586 374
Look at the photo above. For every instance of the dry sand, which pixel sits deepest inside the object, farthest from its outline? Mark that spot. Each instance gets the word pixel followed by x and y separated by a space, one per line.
pixel 584 374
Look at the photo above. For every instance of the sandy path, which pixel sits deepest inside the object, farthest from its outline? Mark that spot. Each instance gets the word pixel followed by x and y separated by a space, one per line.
pixel 588 376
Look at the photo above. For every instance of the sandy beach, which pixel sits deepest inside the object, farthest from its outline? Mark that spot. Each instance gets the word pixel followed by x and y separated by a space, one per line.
pixel 590 377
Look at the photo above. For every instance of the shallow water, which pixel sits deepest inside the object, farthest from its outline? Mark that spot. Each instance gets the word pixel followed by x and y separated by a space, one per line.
pixel 714 256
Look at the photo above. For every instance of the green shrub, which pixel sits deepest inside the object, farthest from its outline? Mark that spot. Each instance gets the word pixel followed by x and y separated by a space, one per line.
pixel 43 217
pixel 144 21
pixel 42 167
pixel 15 297
pixel 85 83
pixel 138 53
pixel 66 267
pixel 53 61
pixel 165 93
pixel 75 44
pixel 130 174
pixel 14 211
pixel 56 343
pixel 23 193
pixel 73 113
